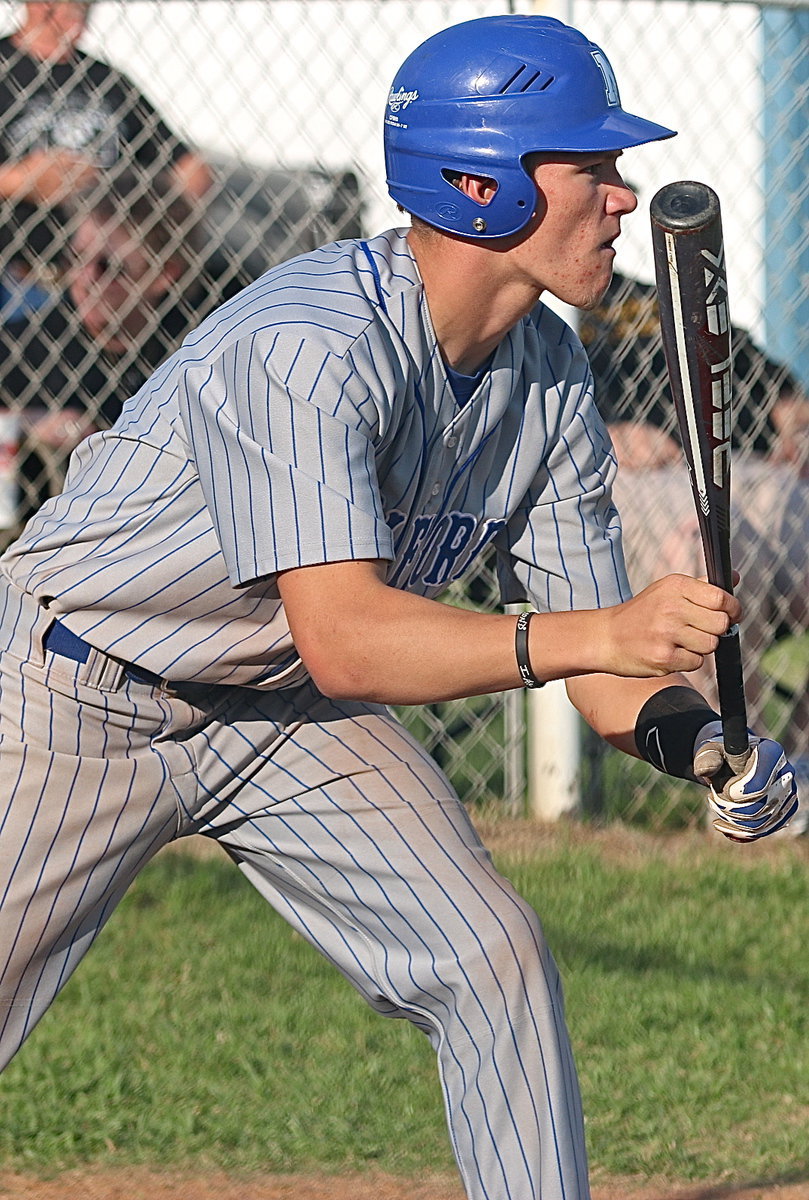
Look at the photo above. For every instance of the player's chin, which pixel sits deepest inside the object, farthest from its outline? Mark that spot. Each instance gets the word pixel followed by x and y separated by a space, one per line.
pixel 601 278
pixel 593 292
pixel 586 287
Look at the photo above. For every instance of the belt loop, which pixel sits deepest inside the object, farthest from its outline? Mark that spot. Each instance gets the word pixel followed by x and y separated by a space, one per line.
pixel 103 672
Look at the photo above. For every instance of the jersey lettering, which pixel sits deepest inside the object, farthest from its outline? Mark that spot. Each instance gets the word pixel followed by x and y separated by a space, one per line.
pixel 438 549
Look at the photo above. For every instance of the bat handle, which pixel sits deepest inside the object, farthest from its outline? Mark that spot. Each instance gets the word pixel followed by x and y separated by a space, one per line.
pixel 732 707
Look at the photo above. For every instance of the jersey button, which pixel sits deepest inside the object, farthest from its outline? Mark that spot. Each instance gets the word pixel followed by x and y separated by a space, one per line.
pixel 452 441
pixel 435 489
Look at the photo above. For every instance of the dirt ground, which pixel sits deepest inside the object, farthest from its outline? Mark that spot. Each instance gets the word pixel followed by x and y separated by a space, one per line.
pixel 147 1185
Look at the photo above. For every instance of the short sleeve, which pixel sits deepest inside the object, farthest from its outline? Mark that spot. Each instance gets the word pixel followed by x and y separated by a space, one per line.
pixel 150 141
pixel 288 482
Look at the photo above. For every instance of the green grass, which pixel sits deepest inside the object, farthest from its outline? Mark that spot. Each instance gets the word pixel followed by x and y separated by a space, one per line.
pixel 688 996
pixel 201 1032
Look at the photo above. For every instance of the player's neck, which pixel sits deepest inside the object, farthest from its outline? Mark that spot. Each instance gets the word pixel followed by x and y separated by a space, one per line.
pixel 472 301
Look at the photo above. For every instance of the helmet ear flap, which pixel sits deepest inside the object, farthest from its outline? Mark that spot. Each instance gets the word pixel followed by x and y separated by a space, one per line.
pixel 509 205
pixel 432 193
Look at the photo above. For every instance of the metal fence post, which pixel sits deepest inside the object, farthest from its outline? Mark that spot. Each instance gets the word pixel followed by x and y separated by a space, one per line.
pixel 553 724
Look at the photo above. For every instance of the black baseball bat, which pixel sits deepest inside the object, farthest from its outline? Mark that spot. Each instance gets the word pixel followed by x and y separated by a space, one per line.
pixel 689 259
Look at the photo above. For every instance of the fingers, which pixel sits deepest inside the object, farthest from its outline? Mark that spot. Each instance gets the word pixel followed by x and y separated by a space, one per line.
pixel 708 760
pixel 698 612
pixel 672 625
pixel 755 818
pixel 752 831
pixel 764 767
pixel 759 801
pixel 706 596
pixel 691 615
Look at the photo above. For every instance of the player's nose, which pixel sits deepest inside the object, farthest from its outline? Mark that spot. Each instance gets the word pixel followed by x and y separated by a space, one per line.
pixel 622 198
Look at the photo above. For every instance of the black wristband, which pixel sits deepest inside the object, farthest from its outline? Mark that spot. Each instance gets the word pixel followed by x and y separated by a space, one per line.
pixel 667 727
pixel 528 677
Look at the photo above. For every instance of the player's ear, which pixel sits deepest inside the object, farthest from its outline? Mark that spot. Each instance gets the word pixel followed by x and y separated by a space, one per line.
pixel 479 188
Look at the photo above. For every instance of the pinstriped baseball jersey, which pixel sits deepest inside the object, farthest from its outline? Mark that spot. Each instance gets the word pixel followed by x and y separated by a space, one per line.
pixel 311 420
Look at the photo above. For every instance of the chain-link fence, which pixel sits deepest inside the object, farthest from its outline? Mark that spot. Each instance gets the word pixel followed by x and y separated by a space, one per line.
pixel 190 144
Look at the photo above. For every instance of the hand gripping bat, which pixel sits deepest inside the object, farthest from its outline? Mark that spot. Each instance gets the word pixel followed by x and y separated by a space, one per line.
pixel 689 260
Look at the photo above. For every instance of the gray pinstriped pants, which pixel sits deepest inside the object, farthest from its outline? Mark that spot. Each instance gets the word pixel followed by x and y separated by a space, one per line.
pixel 340 821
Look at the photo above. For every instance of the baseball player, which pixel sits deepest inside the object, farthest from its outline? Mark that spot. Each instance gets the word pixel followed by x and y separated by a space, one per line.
pixel 202 633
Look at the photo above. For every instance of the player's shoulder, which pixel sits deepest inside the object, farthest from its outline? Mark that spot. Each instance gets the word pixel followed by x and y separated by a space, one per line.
pixel 362 274
pixel 333 294
pixel 98 72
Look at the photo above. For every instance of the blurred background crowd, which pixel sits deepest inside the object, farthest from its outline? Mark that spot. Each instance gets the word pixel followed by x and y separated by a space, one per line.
pixel 116 238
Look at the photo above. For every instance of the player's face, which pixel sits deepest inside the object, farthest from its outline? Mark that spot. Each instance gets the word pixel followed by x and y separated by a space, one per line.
pixel 570 251
pixel 115 284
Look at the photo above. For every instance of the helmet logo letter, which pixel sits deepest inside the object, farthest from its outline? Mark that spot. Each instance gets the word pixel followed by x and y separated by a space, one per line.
pixel 450 212
pixel 610 82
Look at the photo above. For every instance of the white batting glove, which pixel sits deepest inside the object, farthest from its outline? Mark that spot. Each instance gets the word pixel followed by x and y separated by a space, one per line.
pixel 752 805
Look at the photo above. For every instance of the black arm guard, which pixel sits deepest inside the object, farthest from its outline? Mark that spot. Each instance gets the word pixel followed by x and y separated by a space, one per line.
pixel 667 727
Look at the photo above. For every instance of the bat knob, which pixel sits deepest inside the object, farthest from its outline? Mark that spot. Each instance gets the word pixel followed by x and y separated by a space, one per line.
pixel 684 205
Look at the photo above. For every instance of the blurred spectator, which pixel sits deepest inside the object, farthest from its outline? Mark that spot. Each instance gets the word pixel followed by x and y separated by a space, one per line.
pixel 769 479
pixel 133 292
pixel 67 122
pixel 622 337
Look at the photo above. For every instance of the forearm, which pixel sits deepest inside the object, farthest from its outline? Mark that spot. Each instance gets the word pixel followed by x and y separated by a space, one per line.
pixel 361 639
pixel 421 652
pixel 365 640
pixel 15 180
pixel 610 704
pixel 46 176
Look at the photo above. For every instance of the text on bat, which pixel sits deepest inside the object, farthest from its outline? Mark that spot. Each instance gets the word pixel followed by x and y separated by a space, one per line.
pixel 721 409
pixel 716 291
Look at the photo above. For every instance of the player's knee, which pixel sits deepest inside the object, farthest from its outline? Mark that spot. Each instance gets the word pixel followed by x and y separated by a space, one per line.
pixel 506 957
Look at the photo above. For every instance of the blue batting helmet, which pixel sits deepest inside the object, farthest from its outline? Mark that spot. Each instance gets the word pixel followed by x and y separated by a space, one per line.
pixel 478 97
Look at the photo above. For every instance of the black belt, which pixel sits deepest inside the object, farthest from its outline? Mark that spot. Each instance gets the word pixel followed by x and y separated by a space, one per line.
pixel 59 640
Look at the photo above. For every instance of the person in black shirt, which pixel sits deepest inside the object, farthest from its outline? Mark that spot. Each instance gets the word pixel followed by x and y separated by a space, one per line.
pixel 623 342
pixel 68 122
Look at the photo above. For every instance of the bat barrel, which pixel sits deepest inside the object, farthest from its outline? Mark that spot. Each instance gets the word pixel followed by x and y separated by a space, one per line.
pixel 695 327
pixel 685 206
